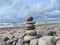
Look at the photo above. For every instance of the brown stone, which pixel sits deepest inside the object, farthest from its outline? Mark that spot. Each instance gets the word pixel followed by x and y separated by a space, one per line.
pixel 30 22
pixel 30 28
pixel 29 18
pixel 10 41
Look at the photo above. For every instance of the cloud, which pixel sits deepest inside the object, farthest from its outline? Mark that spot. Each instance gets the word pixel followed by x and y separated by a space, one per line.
pixel 17 9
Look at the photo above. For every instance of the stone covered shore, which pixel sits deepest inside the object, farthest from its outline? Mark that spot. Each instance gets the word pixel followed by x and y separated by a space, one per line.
pixel 45 34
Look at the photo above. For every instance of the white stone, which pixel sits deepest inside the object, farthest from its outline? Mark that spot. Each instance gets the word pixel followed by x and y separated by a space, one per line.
pixel 47 40
pixel 27 37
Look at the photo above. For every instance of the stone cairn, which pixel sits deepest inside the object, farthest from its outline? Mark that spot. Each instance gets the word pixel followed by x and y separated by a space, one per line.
pixel 30 29
pixel 30 23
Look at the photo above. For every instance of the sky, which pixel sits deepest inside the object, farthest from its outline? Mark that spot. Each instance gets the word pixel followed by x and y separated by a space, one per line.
pixel 17 10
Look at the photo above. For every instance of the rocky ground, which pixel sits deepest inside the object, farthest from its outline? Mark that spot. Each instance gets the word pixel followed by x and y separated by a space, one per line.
pixel 42 35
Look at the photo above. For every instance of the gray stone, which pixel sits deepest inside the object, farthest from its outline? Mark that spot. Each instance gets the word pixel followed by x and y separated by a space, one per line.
pixel 26 44
pixel 38 35
pixel 26 41
pixel 19 42
pixel 48 33
pixel 2 42
pixel 22 35
pixel 16 39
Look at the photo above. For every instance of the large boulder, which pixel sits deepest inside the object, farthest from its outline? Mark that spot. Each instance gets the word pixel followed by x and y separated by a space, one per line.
pixel 48 40
pixel 58 42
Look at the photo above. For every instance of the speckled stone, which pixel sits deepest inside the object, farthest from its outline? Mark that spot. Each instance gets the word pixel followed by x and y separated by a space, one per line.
pixel 31 32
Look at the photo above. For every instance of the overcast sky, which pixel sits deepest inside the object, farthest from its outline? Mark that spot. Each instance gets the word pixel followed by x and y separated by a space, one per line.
pixel 41 10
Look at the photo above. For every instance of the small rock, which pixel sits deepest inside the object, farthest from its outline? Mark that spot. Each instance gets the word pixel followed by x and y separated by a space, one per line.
pixel 12 37
pixel 58 42
pixel 25 41
pixel 5 38
pixel 26 44
pixel 19 42
pixel 48 40
pixel 14 43
pixel 22 35
pixel 34 42
pixel 10 41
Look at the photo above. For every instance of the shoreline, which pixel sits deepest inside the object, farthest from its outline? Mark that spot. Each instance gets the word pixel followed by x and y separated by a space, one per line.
pixel 23 25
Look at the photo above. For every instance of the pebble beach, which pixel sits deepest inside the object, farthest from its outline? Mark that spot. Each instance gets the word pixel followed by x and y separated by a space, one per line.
pixel 31 34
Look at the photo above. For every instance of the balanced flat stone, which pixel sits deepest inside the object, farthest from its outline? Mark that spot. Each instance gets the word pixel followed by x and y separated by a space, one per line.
pixel 30 22
pixel 29 18
pixel 31 32
pixel 30 28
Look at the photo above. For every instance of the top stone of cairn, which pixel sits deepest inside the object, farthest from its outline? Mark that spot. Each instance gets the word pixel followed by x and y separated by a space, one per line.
pixel 29 18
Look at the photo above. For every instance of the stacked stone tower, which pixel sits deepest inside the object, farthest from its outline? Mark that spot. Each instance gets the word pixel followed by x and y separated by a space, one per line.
pixel 30 23
pixel 30 29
